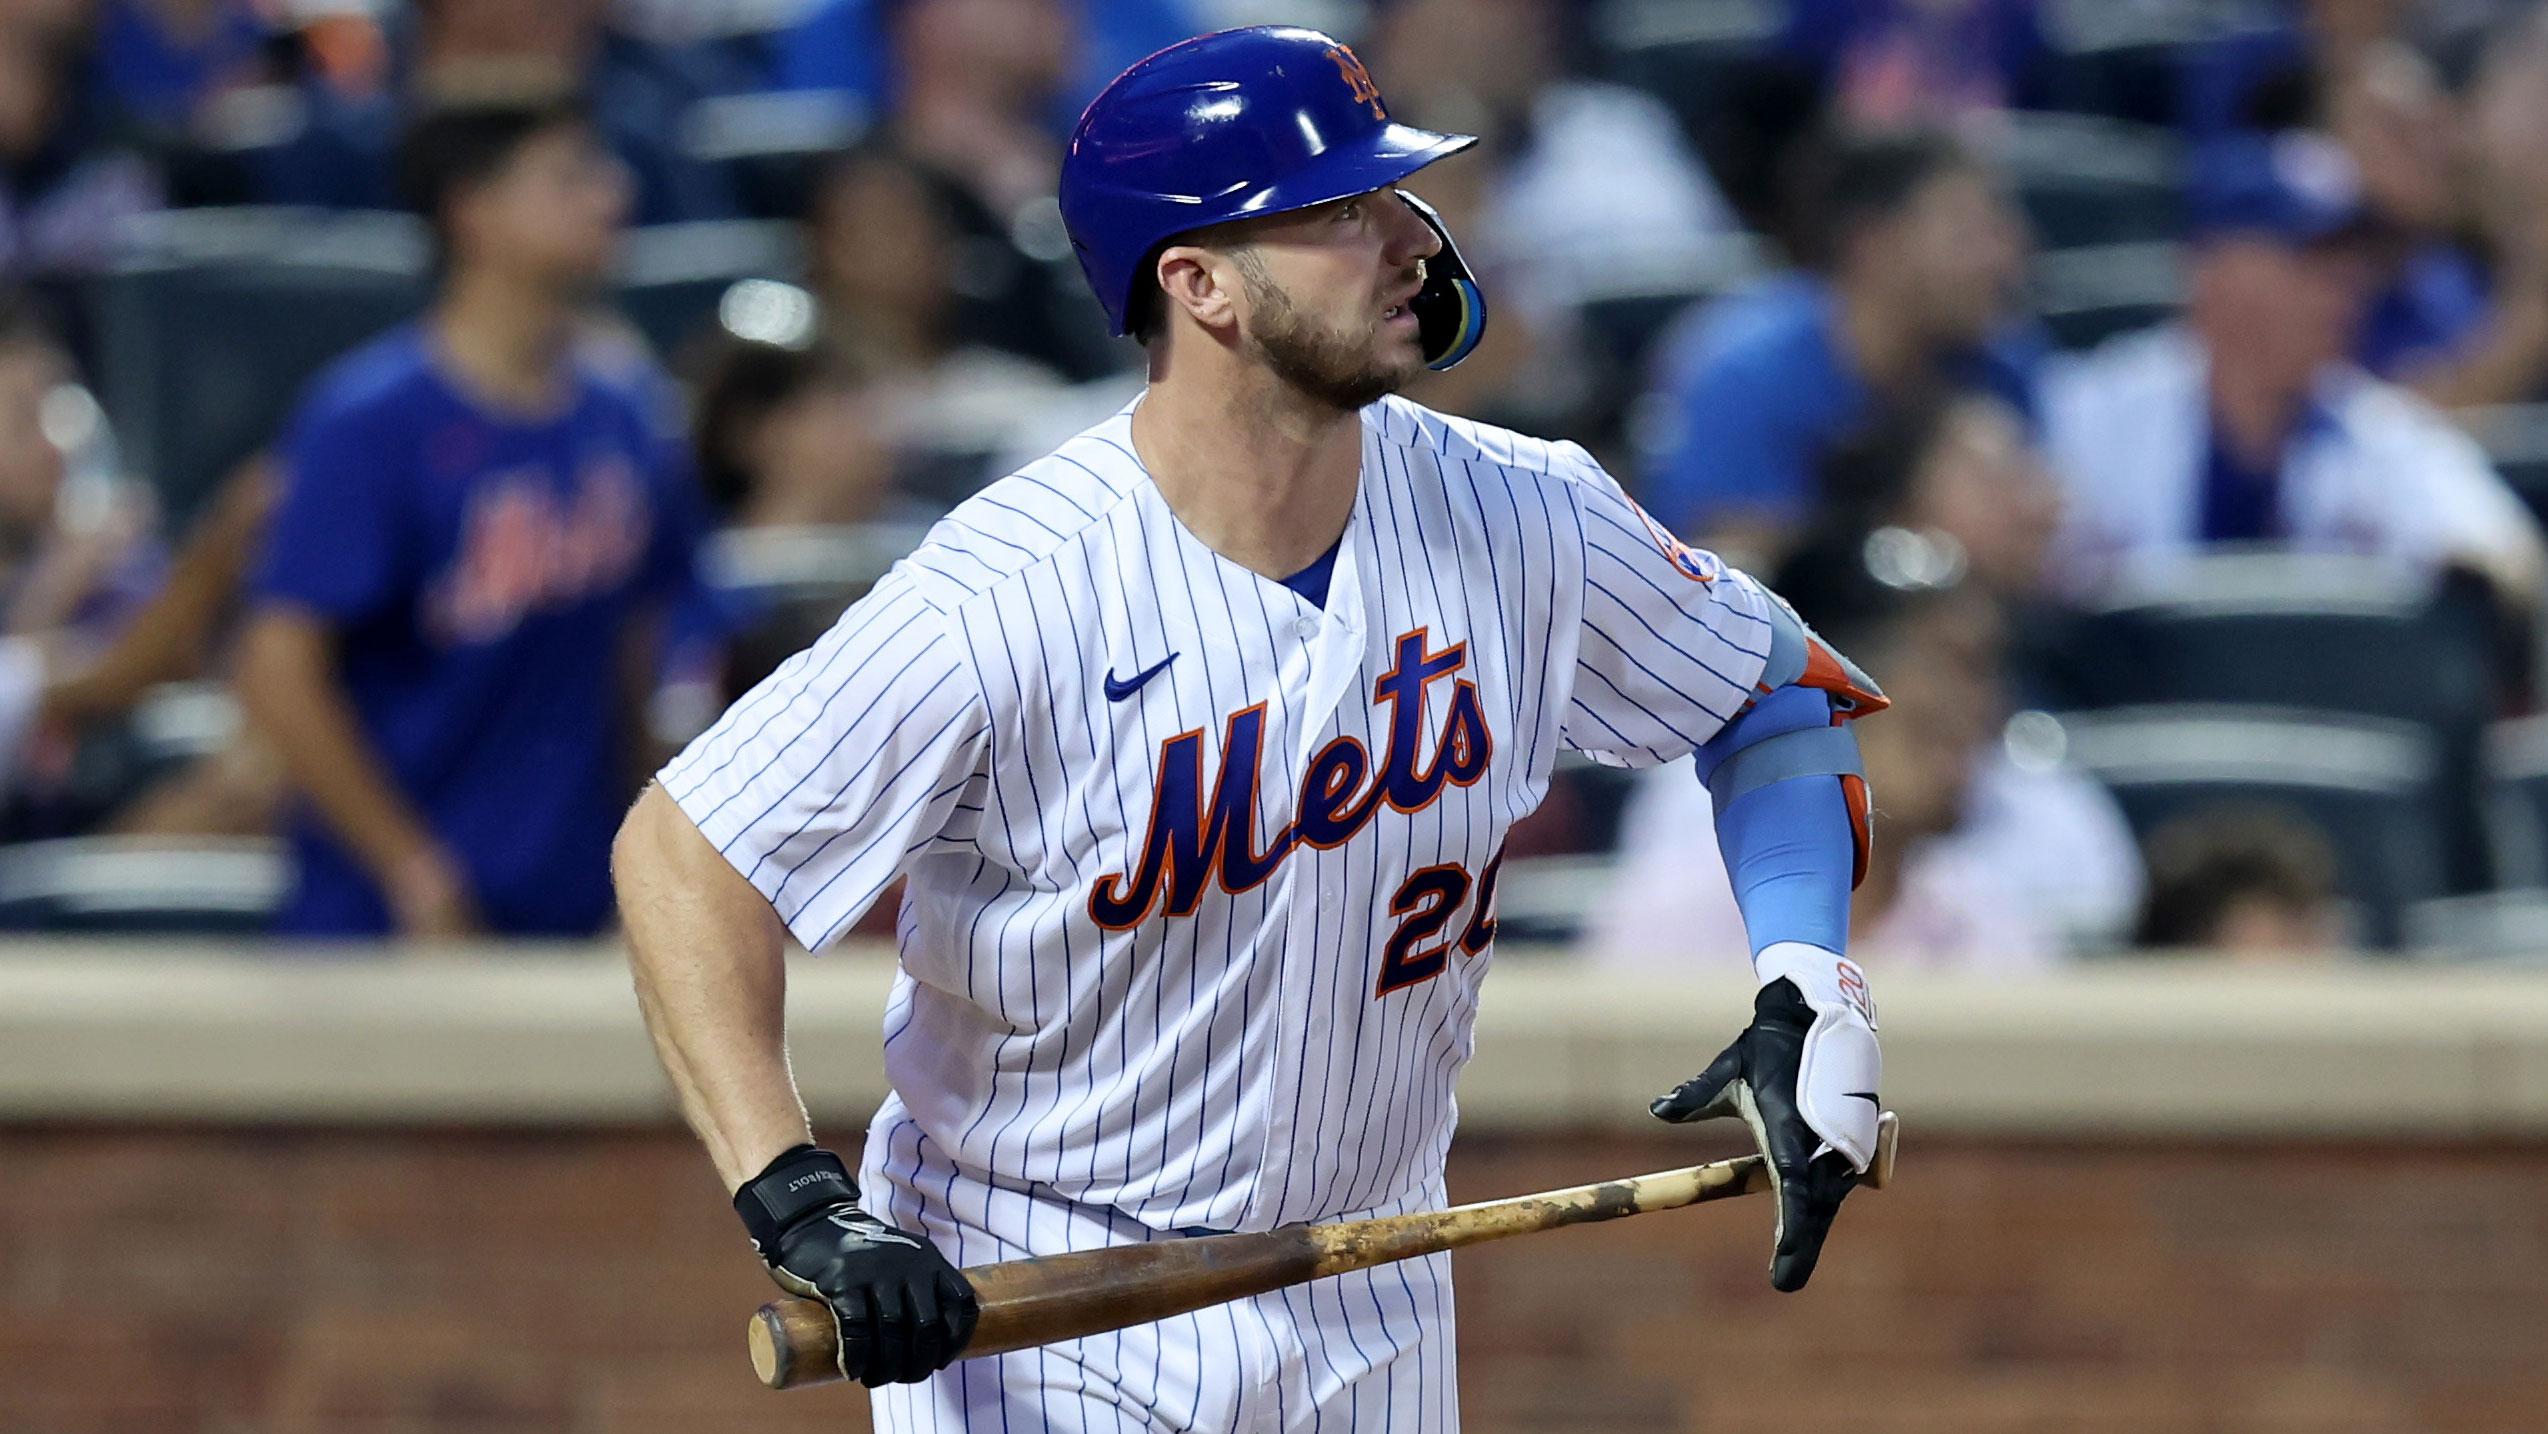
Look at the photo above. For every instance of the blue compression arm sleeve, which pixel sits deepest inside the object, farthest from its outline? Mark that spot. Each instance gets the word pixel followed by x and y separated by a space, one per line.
pixel 1788 847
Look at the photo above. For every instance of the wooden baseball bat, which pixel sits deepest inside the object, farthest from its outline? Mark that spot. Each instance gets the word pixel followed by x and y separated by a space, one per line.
pixel 1054 1297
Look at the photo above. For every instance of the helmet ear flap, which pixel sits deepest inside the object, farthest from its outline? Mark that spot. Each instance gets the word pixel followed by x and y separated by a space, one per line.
pixel 1450 310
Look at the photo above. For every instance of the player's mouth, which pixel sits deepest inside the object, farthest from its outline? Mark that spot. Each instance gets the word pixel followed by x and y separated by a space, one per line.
pixel 1402 312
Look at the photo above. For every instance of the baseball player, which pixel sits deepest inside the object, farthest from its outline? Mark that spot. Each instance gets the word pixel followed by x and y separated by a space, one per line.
pixel 1195 745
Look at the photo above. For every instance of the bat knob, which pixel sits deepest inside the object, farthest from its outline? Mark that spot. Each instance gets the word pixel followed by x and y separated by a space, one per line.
pixel 794 1343
pixel 1888 1138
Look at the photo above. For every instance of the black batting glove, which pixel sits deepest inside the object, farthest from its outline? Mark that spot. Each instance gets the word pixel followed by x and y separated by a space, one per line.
pixel 902 1311
pixel 1803 1077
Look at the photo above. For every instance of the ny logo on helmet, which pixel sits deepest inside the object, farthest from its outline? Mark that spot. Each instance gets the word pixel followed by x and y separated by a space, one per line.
pixel 1357 79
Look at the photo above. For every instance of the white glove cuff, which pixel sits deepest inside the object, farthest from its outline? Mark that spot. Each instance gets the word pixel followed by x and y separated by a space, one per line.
pixel 1838 1077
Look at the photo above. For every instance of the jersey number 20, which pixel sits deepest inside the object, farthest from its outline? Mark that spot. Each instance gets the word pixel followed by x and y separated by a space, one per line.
pixel 1428 899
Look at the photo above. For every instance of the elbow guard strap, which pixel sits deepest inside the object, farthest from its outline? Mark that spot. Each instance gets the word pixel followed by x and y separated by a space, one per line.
pixel 1813 752
pixel 1799 657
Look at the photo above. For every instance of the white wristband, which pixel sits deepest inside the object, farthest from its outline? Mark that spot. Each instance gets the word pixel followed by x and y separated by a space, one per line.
pixel 1836 1081
pixel 1826 978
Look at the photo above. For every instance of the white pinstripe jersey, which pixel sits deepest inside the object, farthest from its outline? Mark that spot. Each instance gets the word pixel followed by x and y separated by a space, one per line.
pixel 1207 950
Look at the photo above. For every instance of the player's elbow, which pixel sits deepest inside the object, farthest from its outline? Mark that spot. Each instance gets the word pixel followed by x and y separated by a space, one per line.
pixel 285 658
pixel 638 851
pixel 664 868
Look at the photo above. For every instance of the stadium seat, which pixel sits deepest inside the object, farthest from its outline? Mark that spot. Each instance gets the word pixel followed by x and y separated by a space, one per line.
pixel 172 727
pixel 810 562
pixel 2324 633
pixel 1691 54
pixel 672 275
pixel 2125 61
pixel 2330 632
pixel 208 334
pixel 2368 785
pixel 2086 296
pixel 2516 438
pixel 133 885
pixel 2516 797
pixel 2087 181
pixel 2506 926
pixel 771 143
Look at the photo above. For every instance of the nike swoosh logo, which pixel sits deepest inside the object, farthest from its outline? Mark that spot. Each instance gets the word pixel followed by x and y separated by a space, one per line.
pixel 1119 689
pixel 1866 1095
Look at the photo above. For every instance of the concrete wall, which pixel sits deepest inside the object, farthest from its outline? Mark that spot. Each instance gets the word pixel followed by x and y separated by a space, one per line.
pixel 399 1198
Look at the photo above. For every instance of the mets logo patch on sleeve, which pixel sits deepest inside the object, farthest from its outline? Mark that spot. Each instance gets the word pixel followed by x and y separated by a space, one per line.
pixel 1696 564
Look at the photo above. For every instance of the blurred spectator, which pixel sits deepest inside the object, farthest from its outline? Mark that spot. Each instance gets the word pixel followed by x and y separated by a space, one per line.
pixel 1901 62
pixel 2463 327
pixel 975 83
pixel 2394 120
pixel 1591 189
pixel 2246 424
pixel 162 61
pixel 458 50
pixel 786 427
pixel 1986 853
pixel 68 184
pixel 479 510
pixel 932 312
pixel 840 45
pixel 237 788
pixel 787 440
pixel 2261 77
pixel 1959 463
pixel 77 553
pixel 2256 883
pixel 1912 258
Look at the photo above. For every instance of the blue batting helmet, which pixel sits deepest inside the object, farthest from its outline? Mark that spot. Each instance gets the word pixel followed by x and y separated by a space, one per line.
pixel 1241 123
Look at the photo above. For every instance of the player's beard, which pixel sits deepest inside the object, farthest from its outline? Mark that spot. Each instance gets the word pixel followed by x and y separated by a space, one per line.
pixel 1342 370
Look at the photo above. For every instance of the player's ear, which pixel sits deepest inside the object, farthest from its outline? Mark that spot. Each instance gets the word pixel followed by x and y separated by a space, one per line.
pixel 1201 282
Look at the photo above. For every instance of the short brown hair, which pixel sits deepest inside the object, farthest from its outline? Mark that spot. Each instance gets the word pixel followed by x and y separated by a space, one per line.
pixel 2207 862
pixel 459 144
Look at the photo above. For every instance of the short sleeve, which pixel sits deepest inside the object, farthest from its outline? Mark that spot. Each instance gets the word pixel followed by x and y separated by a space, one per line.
pixel 2449 505
pixel 339 542
pixel 823 781
pixel 1673 641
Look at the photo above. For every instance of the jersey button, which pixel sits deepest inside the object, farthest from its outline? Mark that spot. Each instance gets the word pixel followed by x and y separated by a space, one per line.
pixel 1307 627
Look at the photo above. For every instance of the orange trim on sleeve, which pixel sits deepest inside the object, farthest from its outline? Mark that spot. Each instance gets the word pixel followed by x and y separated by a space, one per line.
pixel 1826 672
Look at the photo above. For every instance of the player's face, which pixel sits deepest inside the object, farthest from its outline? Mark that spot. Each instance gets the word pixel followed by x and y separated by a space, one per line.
pixel 557 209
pixel 1984 485
pixel 2279 313
pixel 1328 290
pixel 1961 250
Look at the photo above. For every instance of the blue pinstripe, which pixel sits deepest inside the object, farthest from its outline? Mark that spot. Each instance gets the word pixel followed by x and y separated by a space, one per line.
pixel 1120 1083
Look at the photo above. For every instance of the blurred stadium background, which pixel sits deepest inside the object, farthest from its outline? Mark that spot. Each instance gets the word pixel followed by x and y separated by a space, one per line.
pixel 2153 394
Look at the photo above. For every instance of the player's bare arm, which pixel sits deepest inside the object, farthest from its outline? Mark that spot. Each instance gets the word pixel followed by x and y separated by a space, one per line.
pixel 709 959
pixel 289 687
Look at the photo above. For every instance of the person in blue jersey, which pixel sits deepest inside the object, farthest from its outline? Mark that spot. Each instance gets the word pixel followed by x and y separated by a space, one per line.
pixel 481 511
pixel 1912 259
